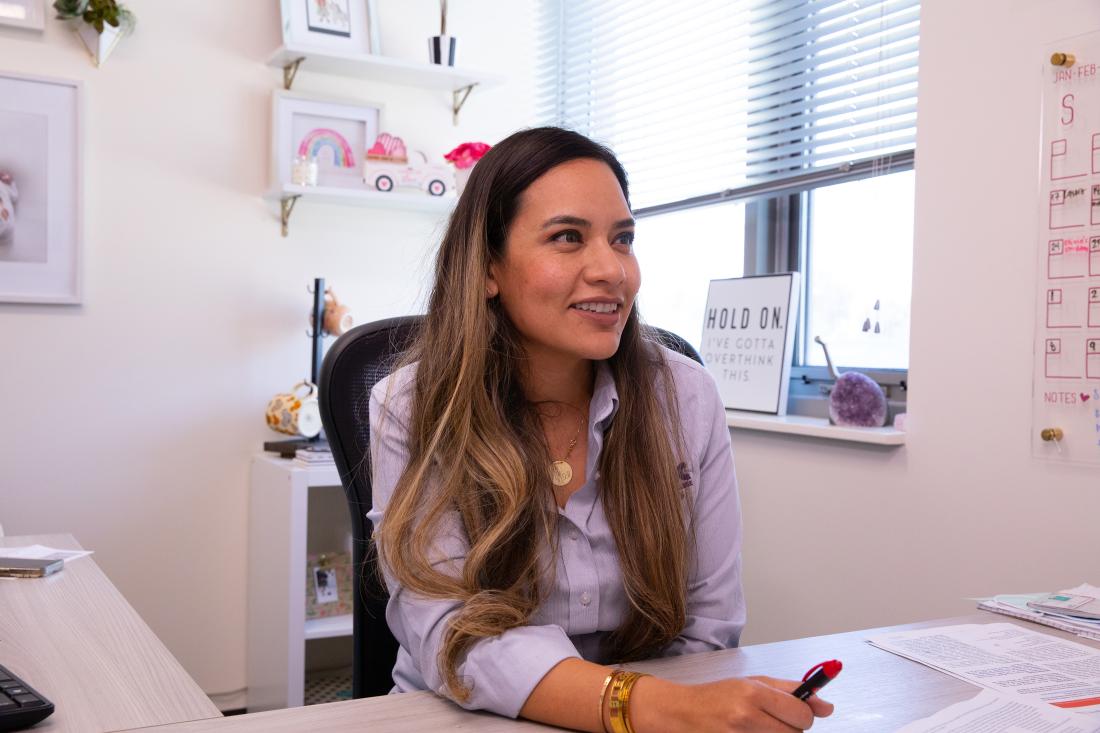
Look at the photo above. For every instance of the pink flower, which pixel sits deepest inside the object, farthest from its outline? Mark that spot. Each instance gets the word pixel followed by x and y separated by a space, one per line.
pixel 466 154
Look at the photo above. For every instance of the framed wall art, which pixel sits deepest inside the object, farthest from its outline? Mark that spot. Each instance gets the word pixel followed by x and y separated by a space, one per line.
pixel 40 189
pixel 332 25
pixel 29 14
pixel 320 142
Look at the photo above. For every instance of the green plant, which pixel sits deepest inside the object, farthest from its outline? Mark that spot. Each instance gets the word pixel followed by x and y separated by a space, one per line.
pixel 97 13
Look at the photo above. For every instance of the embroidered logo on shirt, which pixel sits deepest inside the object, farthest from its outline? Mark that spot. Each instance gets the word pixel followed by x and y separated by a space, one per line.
pixel 685 476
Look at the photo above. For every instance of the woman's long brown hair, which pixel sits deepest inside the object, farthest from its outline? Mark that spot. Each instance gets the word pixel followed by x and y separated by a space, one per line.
pixel 477 452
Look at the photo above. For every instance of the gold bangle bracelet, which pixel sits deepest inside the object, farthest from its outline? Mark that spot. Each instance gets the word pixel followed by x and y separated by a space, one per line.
pixel 627 690
pixel 621 686
pixel 603 696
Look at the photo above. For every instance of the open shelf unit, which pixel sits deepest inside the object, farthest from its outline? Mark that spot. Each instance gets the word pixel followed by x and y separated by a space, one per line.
pixel 281 534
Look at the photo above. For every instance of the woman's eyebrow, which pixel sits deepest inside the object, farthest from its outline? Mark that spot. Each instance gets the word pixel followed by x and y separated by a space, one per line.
pixel 579 222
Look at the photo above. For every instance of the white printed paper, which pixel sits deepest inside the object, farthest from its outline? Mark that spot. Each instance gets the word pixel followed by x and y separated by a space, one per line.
pixel 41 552
pixel 989 712
pixel 1023 664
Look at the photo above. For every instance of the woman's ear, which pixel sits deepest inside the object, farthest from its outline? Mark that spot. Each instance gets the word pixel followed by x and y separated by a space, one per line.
pixel 491 287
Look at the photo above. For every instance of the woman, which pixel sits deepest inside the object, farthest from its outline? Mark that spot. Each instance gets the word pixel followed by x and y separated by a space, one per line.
pixel 553 491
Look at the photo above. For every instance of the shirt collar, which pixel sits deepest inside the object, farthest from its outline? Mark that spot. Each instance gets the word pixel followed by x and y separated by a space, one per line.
pixel 605 397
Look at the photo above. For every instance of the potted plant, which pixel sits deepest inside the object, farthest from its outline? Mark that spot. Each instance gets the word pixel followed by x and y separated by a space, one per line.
pixel 101 24
pixel 441 48
pixel 463 159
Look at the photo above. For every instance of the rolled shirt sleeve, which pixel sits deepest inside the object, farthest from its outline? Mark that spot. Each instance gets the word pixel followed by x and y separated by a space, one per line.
pixel 501 671
pixel 715 604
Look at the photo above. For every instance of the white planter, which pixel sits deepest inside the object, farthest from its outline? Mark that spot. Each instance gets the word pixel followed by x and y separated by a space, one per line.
pixel 99 45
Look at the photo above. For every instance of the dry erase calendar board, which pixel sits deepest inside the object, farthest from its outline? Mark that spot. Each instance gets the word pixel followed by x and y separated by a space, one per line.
pixel 1066 394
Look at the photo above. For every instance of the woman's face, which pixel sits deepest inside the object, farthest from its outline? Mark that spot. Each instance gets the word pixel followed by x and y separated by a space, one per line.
pixel 568 276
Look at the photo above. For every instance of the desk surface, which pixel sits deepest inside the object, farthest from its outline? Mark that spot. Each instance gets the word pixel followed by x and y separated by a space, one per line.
pixel 878 691
pixel 74 638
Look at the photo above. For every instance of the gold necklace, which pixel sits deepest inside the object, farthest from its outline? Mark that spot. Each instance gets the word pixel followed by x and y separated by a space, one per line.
pixel 561 473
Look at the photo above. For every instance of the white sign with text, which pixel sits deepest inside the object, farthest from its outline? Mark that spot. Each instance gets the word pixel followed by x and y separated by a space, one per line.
pixel 748 335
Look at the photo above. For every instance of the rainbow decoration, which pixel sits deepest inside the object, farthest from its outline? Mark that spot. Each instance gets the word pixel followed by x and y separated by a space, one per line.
pixel 323 137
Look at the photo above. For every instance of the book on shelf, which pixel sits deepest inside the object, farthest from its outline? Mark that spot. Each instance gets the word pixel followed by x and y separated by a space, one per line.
pixel 313 457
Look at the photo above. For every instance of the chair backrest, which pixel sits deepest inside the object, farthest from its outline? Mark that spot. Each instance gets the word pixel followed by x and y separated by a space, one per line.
pixel 354 364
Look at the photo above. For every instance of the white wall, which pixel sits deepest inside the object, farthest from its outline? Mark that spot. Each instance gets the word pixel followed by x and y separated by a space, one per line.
pixel 842 537
pixel 130 420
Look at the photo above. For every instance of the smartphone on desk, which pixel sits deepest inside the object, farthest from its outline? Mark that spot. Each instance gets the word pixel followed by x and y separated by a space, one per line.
pixel 21 567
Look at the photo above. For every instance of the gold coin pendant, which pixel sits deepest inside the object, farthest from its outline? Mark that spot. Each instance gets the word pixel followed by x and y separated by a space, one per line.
pixel 561 473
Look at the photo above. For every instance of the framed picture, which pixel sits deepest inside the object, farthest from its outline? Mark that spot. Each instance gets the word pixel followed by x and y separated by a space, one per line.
pixel 40 189
pixel 328 585
pixel 748 338
pixel 328 137
pixel 30 14
pixel 333 25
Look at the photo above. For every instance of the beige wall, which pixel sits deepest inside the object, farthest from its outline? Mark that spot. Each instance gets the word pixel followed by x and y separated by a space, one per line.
pixel 842 537
pixel 130 420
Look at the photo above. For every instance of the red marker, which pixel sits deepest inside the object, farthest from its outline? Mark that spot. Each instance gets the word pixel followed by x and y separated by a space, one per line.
pixel 818 677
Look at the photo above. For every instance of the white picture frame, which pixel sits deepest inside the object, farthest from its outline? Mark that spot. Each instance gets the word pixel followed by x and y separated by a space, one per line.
pixel 748 339
pixel 29 14
pixel 41 156
pixel 326 25
pixel 336 133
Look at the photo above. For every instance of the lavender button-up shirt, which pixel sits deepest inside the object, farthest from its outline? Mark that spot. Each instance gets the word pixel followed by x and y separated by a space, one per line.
pixel 586 600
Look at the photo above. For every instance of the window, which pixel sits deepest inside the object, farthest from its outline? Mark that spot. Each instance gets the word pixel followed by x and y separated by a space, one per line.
pixel 760 136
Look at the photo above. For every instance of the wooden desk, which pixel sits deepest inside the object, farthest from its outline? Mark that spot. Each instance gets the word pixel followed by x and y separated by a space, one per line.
pixel 74 638
pixel 878 692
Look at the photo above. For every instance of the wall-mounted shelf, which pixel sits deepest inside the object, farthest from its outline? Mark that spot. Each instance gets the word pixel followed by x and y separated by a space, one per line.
pixel 328 627
pixel 371 67
pixel 813 427
pixel 288 196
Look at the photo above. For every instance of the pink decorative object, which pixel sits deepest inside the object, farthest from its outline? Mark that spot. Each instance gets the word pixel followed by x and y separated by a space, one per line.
pixel 466 154
pixel 388 147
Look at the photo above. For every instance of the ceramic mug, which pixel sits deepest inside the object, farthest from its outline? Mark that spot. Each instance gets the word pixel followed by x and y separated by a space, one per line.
pixel 294 413
pixel 337 319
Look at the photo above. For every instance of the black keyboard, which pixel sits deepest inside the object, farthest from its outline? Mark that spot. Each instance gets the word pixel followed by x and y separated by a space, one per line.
pixel 20 705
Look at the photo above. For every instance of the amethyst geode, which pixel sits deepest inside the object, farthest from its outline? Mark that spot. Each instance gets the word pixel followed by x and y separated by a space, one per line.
pixel 857 400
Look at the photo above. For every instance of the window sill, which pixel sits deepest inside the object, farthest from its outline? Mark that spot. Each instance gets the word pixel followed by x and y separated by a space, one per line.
pixel 813 427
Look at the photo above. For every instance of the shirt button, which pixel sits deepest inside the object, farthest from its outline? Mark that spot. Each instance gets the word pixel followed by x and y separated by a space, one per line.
pixel 573 535
pixel 585 599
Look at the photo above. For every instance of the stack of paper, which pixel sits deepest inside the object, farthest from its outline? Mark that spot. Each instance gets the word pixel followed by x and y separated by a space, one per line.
pixel 1024 665
pixel 1016 606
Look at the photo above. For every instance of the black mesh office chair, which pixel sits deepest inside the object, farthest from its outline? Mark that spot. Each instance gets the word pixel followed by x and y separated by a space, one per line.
pixel 354 364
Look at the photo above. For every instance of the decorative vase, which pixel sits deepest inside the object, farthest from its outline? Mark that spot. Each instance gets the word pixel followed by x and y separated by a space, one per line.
pixel 441 50
pixel 99 45
pixel 461 176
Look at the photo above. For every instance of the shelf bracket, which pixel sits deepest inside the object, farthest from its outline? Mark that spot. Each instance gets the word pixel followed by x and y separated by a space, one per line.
pixel 290 71
pixel 459 98
pixel 287 206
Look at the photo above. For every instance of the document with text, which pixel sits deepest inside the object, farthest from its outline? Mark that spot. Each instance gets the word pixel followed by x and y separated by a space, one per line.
pixel 992 712
pixel 1022 664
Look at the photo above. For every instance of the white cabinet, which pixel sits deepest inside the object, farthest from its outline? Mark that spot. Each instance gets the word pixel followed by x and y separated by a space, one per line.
pixel 293 511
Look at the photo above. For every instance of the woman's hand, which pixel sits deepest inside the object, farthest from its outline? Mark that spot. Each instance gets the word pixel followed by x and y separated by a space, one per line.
pixel 757 704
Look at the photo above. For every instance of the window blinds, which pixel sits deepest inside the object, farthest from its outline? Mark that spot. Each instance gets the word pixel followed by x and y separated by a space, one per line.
pixel 713 98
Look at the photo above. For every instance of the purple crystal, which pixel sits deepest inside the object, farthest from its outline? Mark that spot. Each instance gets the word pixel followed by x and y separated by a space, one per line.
pixel 857 400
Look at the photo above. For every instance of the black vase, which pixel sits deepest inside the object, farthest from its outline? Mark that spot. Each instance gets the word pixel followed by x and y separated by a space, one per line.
pixel 441 50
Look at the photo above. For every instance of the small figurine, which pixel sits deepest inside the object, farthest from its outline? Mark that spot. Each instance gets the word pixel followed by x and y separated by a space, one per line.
pixel 387 167
pixel 9 194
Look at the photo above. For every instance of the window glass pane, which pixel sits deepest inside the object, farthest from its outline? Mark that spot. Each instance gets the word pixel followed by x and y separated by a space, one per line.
pixel 679 254
pixel 861 271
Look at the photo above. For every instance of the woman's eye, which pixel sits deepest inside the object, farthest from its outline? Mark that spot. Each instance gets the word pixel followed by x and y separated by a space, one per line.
pixel 626 238
pixel 569 235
